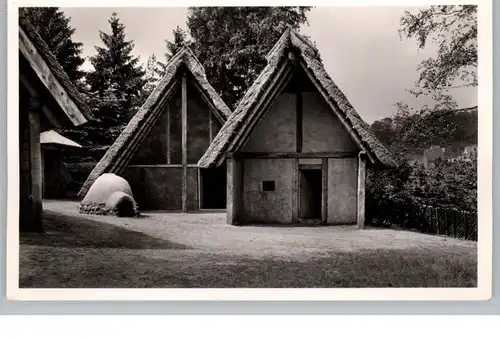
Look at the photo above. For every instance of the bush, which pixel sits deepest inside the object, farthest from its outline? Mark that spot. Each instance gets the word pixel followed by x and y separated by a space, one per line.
pixel 448 184
pixel 78 173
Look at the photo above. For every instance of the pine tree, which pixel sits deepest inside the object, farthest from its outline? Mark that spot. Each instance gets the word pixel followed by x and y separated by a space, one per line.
pixel 180 38
pixel 155 70
pixel 54 28
pixel 117 74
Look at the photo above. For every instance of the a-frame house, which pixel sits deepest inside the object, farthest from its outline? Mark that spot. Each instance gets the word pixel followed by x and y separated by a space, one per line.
pixel 296 150
pixel 47 99
pixel 158 151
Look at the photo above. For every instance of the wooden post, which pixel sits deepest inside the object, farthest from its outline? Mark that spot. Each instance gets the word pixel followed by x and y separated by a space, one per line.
pixel 168 134
pixel 295 190
pixel 35 167
pixel 324 191
pixel 43 153
pixel 234 190
pixel 298 121
pixel 361 190
pixel 184 143
pixel 200 191
pixel 466 225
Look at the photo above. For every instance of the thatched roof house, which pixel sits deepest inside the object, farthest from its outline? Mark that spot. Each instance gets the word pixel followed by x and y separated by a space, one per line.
pixel 295 146
pixel 55 176
pixel 47 99
pixel 158 150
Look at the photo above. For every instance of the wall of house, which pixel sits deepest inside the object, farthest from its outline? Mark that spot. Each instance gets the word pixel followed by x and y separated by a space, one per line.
pixel 198 133
pixel 277 129
pixel 159 141
pixel 55 176
pixel 273 206
pixel 192 189
pixel 154 148
pixel 342 190
pixel 155 185
pixel 322 131
pixel 160 188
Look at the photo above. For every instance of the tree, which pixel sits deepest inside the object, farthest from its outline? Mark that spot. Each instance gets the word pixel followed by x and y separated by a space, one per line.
pixel 384 130
pixel 410 131
pixel 116 73
pixel 180 38
pixel 454 29
pixel 232 42
pixel 54 28
pixel 153 74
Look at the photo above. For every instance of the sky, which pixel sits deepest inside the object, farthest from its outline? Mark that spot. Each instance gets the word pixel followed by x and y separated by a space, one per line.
pixel 360 48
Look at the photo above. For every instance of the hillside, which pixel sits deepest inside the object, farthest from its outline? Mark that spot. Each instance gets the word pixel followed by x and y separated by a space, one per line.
pixel 411 134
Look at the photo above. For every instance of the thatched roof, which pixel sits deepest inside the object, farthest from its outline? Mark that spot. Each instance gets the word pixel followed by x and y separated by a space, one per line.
pixel 55 67
pixel 53 137
pixel 118 155
pixel 228 136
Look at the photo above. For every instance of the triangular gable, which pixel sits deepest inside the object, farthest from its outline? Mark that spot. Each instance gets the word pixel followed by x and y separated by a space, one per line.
pixel 231 136
pixel 120 153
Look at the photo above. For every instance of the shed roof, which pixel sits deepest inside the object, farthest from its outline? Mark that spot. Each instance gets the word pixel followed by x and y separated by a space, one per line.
pixel 53 137
pixel 226 139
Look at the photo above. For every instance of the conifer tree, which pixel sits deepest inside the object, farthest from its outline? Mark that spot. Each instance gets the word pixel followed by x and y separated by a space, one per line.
pixel 54 28
pixel 155 70
pixel 180 38
pixel 117 75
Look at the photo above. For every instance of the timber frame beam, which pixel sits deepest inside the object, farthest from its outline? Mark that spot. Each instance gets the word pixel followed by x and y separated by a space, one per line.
pixel 184 142
pixel 361 190
pixel 49 80
pixel 263 155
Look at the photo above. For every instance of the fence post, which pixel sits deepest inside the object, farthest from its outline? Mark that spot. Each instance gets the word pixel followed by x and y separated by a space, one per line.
pixel 466 226
pixel 453 222
pixel 434 220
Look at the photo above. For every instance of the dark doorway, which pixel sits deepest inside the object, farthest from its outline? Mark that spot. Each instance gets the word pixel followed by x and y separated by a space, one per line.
pixel 213 188
pixel 310 194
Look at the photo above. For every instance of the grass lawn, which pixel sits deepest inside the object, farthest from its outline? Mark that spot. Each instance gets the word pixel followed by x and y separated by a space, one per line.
pixel 85 253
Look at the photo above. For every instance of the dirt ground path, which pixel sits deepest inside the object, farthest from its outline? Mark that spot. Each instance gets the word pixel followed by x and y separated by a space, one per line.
pixel 208 233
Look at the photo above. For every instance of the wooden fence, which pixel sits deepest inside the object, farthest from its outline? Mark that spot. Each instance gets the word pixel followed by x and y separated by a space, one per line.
pixel 425 219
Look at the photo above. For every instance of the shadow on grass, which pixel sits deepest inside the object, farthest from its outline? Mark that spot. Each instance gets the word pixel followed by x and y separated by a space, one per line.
pixel 75 232
pixel 59 268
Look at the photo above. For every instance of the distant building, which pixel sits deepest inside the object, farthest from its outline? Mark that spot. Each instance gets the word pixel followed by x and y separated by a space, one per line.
pixel 470 152
pixel 431 155
pixel 55 176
